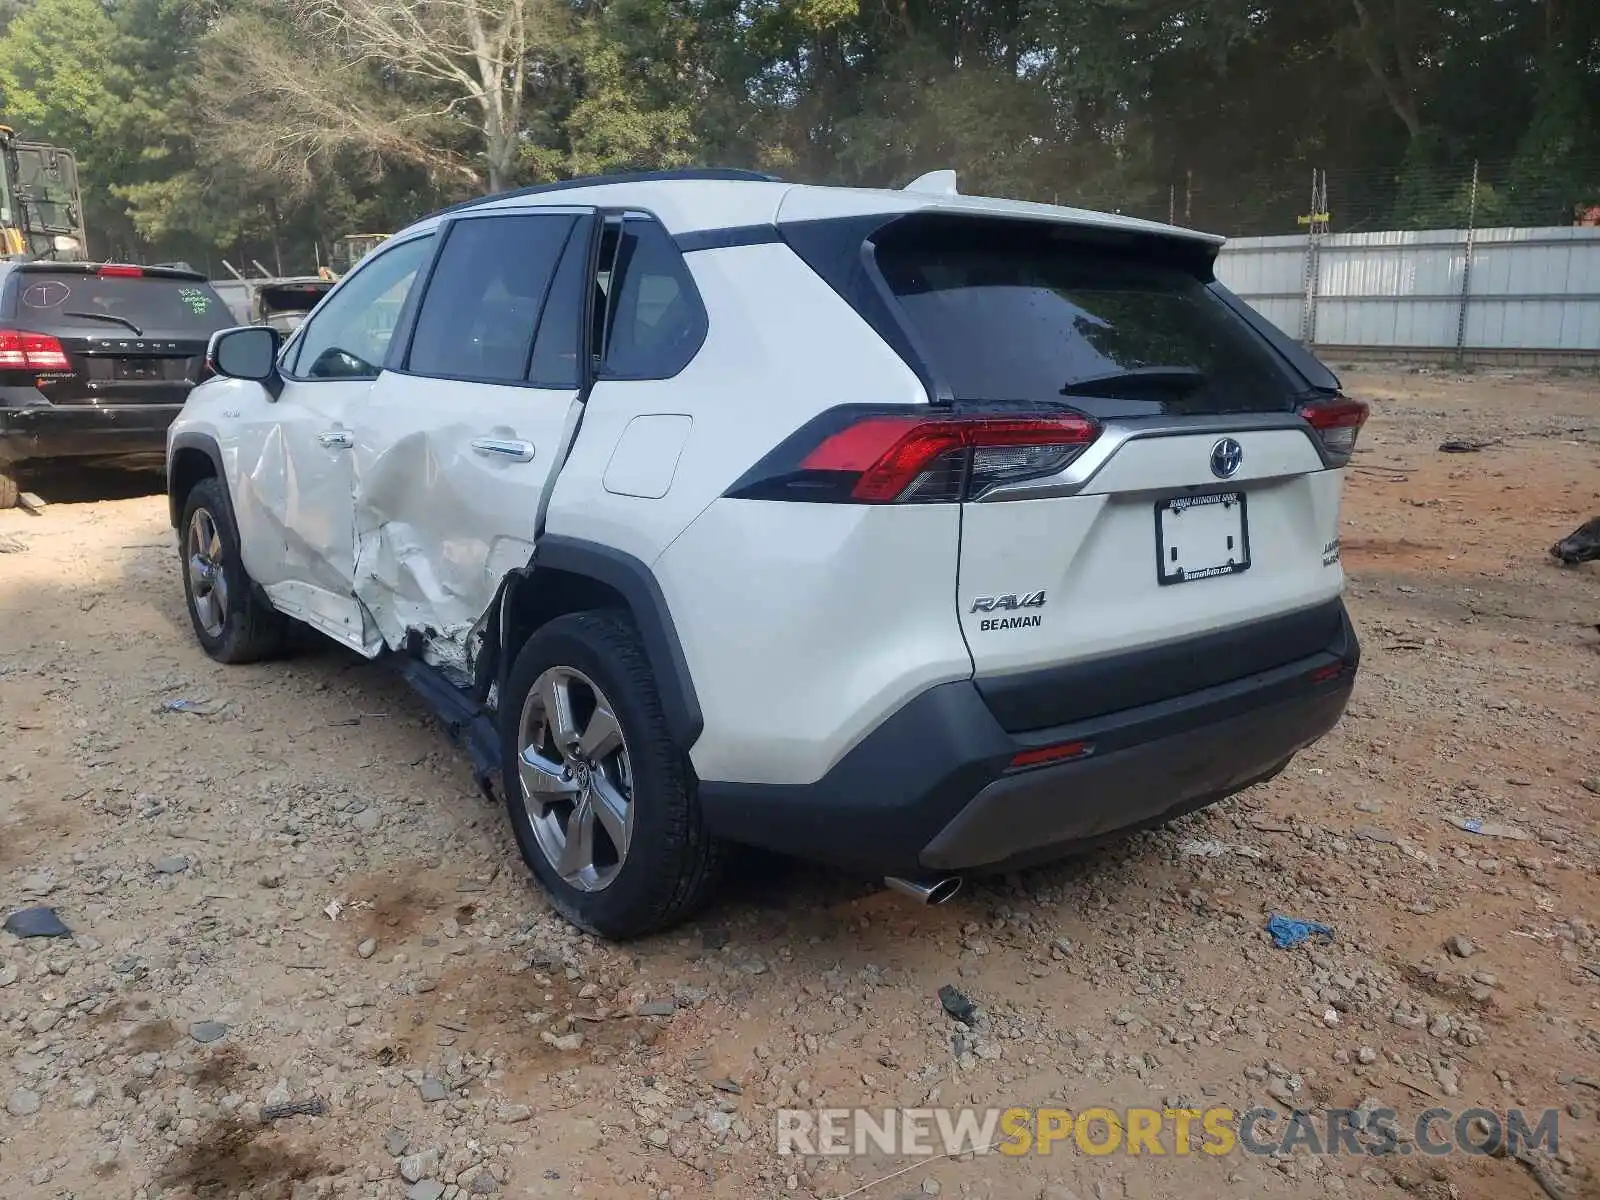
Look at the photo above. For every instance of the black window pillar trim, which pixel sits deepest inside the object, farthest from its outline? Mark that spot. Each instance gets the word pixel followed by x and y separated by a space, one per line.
pixel 591 227
pixel 544 301
pixel 727 238
pixel 637 584
pixel 939 390
pixel 1300 360
pixel 594 229
pixel 843 251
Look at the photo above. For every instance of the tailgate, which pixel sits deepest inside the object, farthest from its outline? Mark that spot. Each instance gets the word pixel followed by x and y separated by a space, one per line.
pixel 126 371
pixel 1152 555
pixel 131 335
pixel 1193 540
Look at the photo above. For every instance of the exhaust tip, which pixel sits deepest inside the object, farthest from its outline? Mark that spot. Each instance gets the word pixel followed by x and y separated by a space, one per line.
pixel 937 890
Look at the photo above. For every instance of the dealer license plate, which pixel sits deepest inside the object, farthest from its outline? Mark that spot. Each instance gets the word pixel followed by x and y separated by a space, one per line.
pixel 1201 537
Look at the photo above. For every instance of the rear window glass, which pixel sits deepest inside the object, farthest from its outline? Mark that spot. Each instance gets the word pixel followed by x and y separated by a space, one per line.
pixel 1020 313
pixel 293 297
pixel 142 306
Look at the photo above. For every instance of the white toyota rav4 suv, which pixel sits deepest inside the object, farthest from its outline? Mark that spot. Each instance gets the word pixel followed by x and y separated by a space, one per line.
pixel 909 531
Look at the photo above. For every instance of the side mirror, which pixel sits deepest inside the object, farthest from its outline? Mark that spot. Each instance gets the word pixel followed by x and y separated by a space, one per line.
pixel 249 352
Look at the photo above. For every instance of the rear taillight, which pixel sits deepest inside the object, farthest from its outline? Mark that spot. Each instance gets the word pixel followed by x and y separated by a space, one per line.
pixel 862 456
pixel 1338 423
pixel 31 352
pixel 120 271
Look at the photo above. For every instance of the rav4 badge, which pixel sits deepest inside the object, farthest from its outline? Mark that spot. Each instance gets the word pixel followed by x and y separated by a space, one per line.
pixel 1008 603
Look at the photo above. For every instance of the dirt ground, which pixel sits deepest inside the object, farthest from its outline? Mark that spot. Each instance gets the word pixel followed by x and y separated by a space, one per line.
pixel 295 895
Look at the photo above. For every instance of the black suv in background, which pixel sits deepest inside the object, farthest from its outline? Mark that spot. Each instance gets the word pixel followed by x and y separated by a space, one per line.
pixel 96 359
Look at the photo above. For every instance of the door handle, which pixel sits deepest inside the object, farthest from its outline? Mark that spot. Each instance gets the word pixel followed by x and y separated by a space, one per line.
pixel 507 449
pixel 336 439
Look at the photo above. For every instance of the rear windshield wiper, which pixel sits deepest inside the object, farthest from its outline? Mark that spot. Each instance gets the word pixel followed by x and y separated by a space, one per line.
pixel 1176 379
pixel 106 317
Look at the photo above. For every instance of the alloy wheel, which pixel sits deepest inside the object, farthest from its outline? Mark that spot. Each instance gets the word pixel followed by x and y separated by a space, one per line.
pixel 208 585
pixel 576 778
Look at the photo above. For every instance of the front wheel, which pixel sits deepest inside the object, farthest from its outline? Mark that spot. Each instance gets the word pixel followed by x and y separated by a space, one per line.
pixel 10 493
pixel 231 621
pixel 601 800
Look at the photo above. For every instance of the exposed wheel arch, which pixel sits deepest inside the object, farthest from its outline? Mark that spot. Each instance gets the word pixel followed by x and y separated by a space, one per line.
pixel 569 575
pixel 193 457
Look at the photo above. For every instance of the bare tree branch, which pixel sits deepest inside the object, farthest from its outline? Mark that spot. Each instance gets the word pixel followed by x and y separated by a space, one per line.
pixel 473 53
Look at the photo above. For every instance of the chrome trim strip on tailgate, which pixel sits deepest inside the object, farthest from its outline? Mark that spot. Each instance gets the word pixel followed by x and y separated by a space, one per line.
pixel 1116 434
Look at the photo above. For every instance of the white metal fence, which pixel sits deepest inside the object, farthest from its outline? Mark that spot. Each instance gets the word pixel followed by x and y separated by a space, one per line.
pixel 1504 294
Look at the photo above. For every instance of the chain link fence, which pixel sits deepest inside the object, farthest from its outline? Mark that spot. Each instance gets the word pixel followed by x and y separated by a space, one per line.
pixel 1292 198
pixel 1490 262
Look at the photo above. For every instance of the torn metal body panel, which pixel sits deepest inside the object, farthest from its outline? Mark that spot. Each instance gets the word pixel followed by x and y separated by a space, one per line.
pixel 447 503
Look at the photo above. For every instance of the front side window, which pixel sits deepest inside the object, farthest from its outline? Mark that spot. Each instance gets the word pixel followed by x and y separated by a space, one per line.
pixel 478 318
pixel 349 336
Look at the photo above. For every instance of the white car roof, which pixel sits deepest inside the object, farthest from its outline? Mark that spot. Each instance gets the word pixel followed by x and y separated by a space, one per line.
pixel 693 203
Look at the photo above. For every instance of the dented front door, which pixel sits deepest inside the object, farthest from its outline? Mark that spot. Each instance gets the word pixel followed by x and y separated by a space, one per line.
pixel 292 500
pixel 296 506
pixel 456 451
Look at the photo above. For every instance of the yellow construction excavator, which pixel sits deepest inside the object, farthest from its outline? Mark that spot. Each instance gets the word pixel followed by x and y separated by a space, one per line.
pixel 349 250
pixel 41 211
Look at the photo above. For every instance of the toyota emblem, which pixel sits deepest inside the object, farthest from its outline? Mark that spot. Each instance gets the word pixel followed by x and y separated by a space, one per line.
pixel 1226 456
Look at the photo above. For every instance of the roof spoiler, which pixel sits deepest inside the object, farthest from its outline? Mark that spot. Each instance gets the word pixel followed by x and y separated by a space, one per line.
pixel 934 183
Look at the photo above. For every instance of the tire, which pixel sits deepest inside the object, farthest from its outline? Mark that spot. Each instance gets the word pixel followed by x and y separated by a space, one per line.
pixel 239 626
pixel 10 493
pixel 670 864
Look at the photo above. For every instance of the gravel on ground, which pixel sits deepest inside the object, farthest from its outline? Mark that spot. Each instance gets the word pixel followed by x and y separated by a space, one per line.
pixel 305 960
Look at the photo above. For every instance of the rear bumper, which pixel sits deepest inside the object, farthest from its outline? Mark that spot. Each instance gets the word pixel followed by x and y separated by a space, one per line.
pixel 931 789
pixel 132 432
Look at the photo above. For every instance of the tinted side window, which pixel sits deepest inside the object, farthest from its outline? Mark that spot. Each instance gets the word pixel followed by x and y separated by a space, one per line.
pixel 349 336
pixel 654 320
pixel 478 317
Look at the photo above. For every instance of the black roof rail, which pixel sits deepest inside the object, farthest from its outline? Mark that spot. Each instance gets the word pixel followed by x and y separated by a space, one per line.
pixel 728 174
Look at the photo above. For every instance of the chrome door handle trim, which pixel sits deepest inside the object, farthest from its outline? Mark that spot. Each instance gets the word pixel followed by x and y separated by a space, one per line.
pixel 337 439
pixel 510 449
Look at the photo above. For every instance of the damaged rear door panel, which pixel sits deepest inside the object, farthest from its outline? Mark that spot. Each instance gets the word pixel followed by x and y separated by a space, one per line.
pixel 451 479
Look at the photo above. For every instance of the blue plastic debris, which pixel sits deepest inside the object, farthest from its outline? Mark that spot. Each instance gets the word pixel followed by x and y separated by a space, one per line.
pixel 36 922
pixel 200 708
pixel 1288 932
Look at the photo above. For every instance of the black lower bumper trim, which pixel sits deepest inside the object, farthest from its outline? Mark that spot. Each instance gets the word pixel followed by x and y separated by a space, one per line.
pixel 931 789
pixel 127 431
pixel 1041 814
pixel 1059 695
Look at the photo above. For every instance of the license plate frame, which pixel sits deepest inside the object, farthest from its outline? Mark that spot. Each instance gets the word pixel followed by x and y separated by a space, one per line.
pixel 1219 510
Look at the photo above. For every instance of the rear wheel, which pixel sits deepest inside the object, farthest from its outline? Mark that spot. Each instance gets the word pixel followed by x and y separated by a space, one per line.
pixel 601 800
pixel 231 621
pixel 10 493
